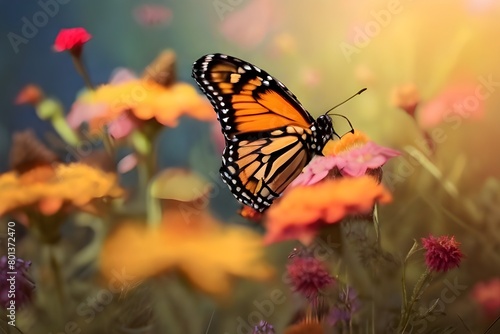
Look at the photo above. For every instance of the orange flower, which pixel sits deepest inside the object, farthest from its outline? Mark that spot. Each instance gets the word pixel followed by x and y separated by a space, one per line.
pixel 146 100
pixel 346 143
pixel 302 210
pixel 48 188
pixel 30 94
pixel 305 328
pixel 406 97
pixel 250 214
pixel 207 252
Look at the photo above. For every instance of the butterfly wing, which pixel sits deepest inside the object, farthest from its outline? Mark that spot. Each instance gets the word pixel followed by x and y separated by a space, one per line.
pixel 258 170
pixel 246 98
pixel 265 126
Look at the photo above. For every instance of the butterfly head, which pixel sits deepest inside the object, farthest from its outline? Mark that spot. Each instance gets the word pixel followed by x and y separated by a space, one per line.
pixel 323 133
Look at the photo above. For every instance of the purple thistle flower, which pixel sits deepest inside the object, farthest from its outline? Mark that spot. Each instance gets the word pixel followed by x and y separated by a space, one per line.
pixel 264 328
pixel 16 287
pixel 348 305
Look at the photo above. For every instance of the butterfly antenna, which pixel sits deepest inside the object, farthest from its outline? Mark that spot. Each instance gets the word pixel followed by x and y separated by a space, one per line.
pixel 348 121
pixel 341 103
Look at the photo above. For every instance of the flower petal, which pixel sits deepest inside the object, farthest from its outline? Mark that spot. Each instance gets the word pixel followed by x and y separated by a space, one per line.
pixel 303 209
pixel 208 253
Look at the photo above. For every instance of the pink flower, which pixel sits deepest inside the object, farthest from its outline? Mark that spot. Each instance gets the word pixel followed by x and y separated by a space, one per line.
pixel 458 100
pixel 354 162
pixel 442 253
pixel 152 15
pixel 487 295
pixel 357 161
pixel 122 126
pixel 82 112
pixel 217 137
pixel 128 163
pixel 311 77
pixel 481 6
pixel 71 39
pixel 249 26
pixel 317 169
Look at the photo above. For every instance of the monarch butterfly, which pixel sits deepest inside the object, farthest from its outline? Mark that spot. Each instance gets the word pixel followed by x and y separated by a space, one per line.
pixel 269 135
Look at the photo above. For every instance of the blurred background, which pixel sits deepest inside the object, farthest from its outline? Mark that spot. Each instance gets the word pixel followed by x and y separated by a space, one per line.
pixel 431 68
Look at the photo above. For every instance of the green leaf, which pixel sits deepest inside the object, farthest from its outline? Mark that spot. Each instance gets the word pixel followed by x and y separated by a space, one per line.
pixel 415 248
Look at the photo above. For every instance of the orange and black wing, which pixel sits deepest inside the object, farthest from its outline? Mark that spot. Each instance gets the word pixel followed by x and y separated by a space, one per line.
pixel 258 170
pixel 265 126
pixel 246 98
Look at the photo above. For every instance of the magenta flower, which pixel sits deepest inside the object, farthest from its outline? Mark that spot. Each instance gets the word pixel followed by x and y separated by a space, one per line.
pixel 71 39
pixel 442 253
pixel 22 283
pixel 308 276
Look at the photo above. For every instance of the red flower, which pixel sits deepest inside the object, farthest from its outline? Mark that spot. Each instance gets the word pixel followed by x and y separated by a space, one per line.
pixel 308 276
pixel 71 39
pixel 442 253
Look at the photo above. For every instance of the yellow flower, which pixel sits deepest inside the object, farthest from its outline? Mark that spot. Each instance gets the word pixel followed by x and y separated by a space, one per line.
pixel 146 100
pixel 406 97
pixel 346 143
pixel 200 247
pixel 51 188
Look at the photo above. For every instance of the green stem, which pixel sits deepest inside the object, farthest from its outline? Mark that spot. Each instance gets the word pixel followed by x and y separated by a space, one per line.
pixel 403 285
pixel 449 187
pixel 154 211
pixel 144 148
pixel 63 129
pixel 56 271
pixel 377 226
pixel 417 292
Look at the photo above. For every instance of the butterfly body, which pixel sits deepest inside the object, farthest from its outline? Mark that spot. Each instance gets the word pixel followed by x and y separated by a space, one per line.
pixel 269 136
